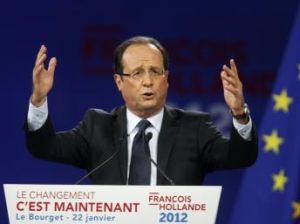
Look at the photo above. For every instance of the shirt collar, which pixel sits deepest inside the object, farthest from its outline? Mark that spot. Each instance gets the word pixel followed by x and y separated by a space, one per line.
pixel 133 120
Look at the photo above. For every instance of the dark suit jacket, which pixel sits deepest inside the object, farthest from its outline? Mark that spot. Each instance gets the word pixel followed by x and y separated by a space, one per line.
pixel 188 146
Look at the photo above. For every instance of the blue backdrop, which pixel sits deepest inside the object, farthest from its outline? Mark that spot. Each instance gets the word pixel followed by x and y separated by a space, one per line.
pixel 200 36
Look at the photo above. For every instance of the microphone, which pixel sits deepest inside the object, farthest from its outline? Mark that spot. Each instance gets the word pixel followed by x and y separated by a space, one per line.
pixel 147 140
pixel 101 164
pixel 147 152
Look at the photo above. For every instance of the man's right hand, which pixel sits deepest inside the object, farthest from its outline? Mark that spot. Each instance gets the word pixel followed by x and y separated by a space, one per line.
pixel 42 78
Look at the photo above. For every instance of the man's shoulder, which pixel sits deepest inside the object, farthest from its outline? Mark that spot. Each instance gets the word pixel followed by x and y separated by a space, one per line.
pixel 95 113
pixel 180 113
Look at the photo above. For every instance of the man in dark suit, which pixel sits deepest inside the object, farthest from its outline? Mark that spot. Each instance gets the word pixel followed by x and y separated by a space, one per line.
pixel 185 145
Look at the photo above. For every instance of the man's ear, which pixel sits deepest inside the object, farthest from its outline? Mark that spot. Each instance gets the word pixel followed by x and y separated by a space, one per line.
pixel 167 77
pixel 118 81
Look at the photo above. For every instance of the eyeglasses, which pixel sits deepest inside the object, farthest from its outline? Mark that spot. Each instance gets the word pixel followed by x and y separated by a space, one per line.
pixel 140 74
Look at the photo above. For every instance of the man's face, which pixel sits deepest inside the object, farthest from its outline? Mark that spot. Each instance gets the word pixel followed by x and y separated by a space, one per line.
pixel 146 95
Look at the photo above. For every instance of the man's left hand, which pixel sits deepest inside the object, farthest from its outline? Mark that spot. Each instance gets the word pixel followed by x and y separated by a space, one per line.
pixel 233 88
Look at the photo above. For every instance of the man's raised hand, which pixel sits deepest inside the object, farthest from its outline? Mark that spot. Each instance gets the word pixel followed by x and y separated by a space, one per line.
pixel 42 77
pixel 233 88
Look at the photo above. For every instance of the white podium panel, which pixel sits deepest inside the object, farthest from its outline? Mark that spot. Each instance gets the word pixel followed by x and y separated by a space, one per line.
pixel 94 204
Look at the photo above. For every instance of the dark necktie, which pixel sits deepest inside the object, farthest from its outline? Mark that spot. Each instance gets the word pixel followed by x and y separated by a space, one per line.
pixel 140 166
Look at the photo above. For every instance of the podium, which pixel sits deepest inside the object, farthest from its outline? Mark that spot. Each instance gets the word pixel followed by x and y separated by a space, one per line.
pixel 94 204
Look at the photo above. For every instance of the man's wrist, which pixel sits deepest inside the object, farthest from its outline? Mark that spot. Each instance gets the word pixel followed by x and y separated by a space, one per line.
pixel 37 101
pixel 242 115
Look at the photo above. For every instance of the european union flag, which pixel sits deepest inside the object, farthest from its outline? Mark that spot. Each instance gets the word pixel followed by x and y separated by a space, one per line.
pixel 270 192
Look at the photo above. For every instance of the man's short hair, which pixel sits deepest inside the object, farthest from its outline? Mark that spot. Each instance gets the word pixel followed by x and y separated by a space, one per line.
pixel 143 40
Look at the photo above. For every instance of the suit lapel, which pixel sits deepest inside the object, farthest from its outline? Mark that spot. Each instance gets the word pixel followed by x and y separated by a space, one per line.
pixel 166 140
pixel 120 140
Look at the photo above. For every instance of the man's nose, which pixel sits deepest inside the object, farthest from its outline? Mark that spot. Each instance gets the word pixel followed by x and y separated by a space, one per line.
pixel 147 79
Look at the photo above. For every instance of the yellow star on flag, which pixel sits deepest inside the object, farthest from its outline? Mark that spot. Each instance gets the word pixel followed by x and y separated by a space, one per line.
pixel 282 101
pixel 279 181
pixel 296 207
pixel 272 142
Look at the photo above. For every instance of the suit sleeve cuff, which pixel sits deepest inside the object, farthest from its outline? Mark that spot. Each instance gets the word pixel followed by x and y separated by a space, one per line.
pixel 244 130
pixel 37 116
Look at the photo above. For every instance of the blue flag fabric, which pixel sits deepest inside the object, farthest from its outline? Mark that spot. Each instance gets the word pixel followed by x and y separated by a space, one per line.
pixel 270 192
